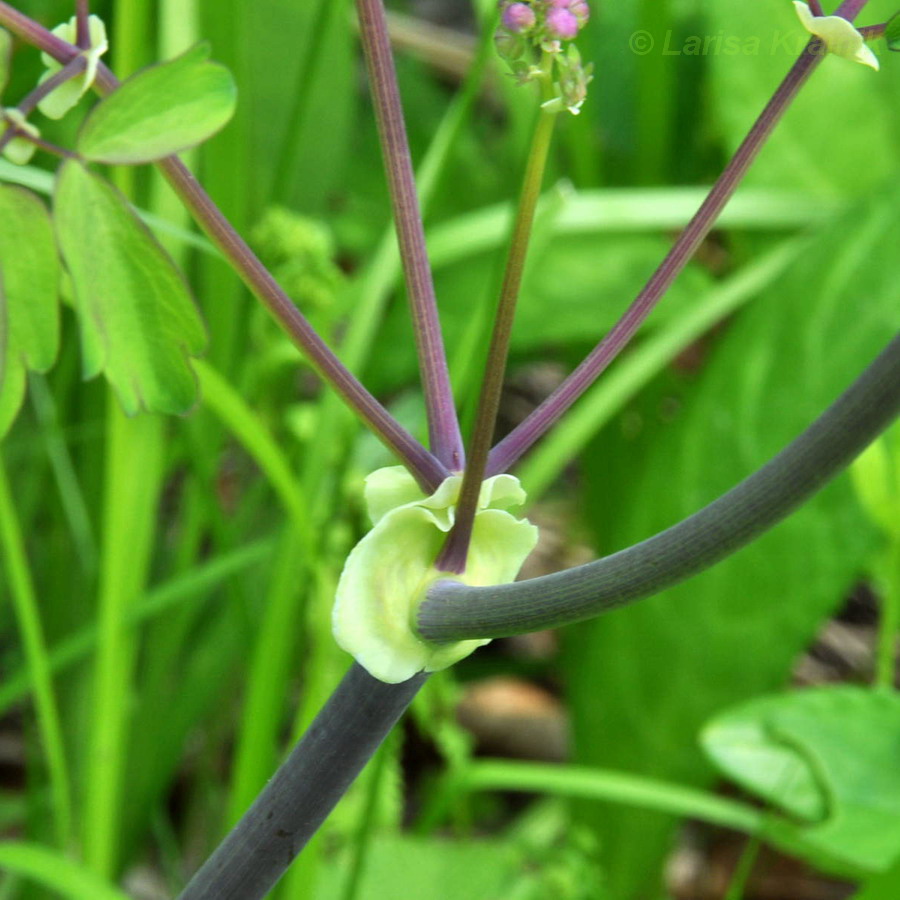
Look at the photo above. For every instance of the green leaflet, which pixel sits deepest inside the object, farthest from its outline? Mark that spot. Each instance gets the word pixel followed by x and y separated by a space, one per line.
pixel 138 323
pixel 29 275
pixel 831 755
pixel 160 110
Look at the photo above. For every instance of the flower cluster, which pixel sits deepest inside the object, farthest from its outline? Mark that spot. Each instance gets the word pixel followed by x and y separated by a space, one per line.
pixel 531 39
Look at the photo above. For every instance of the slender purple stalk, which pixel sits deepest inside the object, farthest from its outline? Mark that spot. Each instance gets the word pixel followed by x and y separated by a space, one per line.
pixel 31 100
pixel 428 470
pixel 82 26
pixel 850 9
pixel 453 554
pixel 512 447
pixel 443 425
pixel 69 70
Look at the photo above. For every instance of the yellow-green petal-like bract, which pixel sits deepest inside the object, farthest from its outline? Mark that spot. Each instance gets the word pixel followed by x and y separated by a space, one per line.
pixel 59 101
pixel 837 34
pixel 389 570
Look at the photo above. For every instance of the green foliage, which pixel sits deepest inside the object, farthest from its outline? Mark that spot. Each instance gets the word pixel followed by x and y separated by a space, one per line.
pixel 828 756
pixel 138 322
pixel 734 631
pixel 807 150
pixel 161 110
pixel 892 33
pixel 56 871
pixel 5 57
pixel 222 533
pixel 29 276
pixel 884 887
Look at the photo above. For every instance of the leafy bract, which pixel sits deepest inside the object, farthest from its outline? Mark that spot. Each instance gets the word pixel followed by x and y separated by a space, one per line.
pixel 830 755
pixel 138 322
pixel 160 110
pixel 388 571
pixel 29 276
pixel 66 95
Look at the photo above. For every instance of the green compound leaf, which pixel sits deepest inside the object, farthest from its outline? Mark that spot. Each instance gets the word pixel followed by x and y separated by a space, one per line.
pixel 160 110
pixel 831 756
pixel 892 34
pixel 29 276
pixel 5 57
pixel 138 322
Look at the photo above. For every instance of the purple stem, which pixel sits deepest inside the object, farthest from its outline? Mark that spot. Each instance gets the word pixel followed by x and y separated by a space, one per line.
pixel 82 26
pixel 514 445
pixel 428 470
pixel 443 425
pixel 69 70
pixel 850 9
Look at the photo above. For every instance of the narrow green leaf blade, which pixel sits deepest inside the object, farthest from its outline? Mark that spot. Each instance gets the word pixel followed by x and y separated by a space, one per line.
pixel 138 322
pixel 55 871
pixel 29 275
pixel 5 57
pixel 160 110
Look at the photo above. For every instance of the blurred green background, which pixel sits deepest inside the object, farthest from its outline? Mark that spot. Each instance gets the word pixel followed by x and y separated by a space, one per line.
pixel 183 569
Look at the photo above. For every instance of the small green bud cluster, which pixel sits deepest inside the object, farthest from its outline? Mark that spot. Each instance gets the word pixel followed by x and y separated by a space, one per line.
pixel 533 39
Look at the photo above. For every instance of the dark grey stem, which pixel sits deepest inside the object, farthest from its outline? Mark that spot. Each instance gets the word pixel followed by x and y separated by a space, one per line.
pixel 304 790
pixel 515 444
pixel 427 469
pixel 443 426
pixel 453 612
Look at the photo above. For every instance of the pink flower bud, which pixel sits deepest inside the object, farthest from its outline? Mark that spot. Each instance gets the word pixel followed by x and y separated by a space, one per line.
pixel 581 11
pixel 562 24
pixel 518 17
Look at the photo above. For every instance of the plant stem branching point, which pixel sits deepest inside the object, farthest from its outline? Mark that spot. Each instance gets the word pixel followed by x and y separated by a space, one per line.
pixel 387 574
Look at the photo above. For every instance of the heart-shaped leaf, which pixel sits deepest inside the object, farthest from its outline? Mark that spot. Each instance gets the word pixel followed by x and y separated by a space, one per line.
pixel 138 322
pixel 830 755
pixel 160 110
